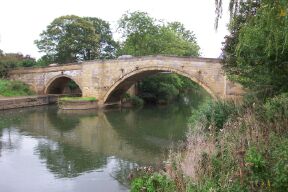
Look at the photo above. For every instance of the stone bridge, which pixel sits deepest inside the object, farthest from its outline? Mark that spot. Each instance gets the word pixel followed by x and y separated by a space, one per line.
pixel 108 80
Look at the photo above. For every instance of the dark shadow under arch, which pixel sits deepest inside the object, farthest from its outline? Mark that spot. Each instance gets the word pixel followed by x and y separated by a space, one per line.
pixel 63 85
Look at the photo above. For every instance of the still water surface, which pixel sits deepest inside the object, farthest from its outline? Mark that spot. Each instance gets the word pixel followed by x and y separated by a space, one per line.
pixel 44 149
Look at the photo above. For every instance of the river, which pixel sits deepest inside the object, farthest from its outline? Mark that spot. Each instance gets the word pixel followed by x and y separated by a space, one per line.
pixel 44 149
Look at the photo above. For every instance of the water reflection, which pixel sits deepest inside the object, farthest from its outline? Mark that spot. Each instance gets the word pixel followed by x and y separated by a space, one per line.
pixel 68 161
pixel 82 146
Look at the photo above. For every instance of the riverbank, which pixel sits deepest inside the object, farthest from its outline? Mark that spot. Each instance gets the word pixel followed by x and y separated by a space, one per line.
pixel 26 101
pixel 229 148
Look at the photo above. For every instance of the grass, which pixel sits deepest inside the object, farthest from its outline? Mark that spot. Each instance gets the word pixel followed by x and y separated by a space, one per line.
pixel 78 99
pixel 10 88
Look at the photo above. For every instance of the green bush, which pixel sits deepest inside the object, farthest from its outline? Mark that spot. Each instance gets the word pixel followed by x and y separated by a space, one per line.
pixel 9 61
pixel 277 108
pixel 136 101
pixel 162 86
pixel 14 88
pixel 279 162
pixel 5 67
pixel 166 87
pixel 257 165
pixel 267 170
pixel 214 113
pixel 152 183
pixel 167 92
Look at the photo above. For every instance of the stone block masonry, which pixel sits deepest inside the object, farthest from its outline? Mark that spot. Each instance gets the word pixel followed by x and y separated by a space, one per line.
pixel 29 101
pixel 108 80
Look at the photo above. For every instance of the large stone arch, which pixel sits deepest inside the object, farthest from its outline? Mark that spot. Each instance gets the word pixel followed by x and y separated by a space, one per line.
pixel 57 77
pixel 146 71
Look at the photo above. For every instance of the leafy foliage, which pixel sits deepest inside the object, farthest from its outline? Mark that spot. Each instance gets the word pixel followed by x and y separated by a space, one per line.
pixel 165 87
pixel 45 60
pixel 108 46
pixel 214 114
pixel 12 60
pixel 276 108
pixel 255 54
pixel 258 165
pixel 71 38
pixel 153 182
pixel 14 88
pixel 136 101
pixel 144 35
pixel 279 158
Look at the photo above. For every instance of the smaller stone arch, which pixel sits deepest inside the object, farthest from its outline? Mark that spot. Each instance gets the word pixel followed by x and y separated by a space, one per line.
pixel 157 69
pixel 57 84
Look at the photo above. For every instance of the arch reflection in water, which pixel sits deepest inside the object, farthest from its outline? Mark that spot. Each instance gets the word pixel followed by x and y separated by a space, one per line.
pixel 94 144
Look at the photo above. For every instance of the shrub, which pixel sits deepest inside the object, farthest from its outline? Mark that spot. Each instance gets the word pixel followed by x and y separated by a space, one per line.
pixel 257 165
pixel 14 88
pixel 166 87
pixel 153 182
pixel 214 113
pixel 5 67
pixel 277 108
pixel 136 101
pixel 167 92
pixel 279 162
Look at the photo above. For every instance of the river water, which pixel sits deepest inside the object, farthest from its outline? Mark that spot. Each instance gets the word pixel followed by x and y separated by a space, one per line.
pixel 44 149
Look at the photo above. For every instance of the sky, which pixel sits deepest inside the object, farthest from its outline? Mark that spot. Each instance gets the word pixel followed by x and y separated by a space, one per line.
pixel 22 21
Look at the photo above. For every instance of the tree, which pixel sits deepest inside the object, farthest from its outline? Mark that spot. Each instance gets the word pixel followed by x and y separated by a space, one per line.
pixel 255 54
pixel 107 47
pixel 180 30
pixel 161 87
pixel 229 61
pixel 45 60
pixel 144 35
pixel 138 31
pixel 71 38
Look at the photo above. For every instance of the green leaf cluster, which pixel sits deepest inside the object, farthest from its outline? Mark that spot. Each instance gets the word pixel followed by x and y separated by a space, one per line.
pixel 144 35
pixel 164 87
pixel 153 182
pixel 276 108
pixel 71 38
pixel 12 60
pixel 255 54
pixel 14 88
pixel 214 114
